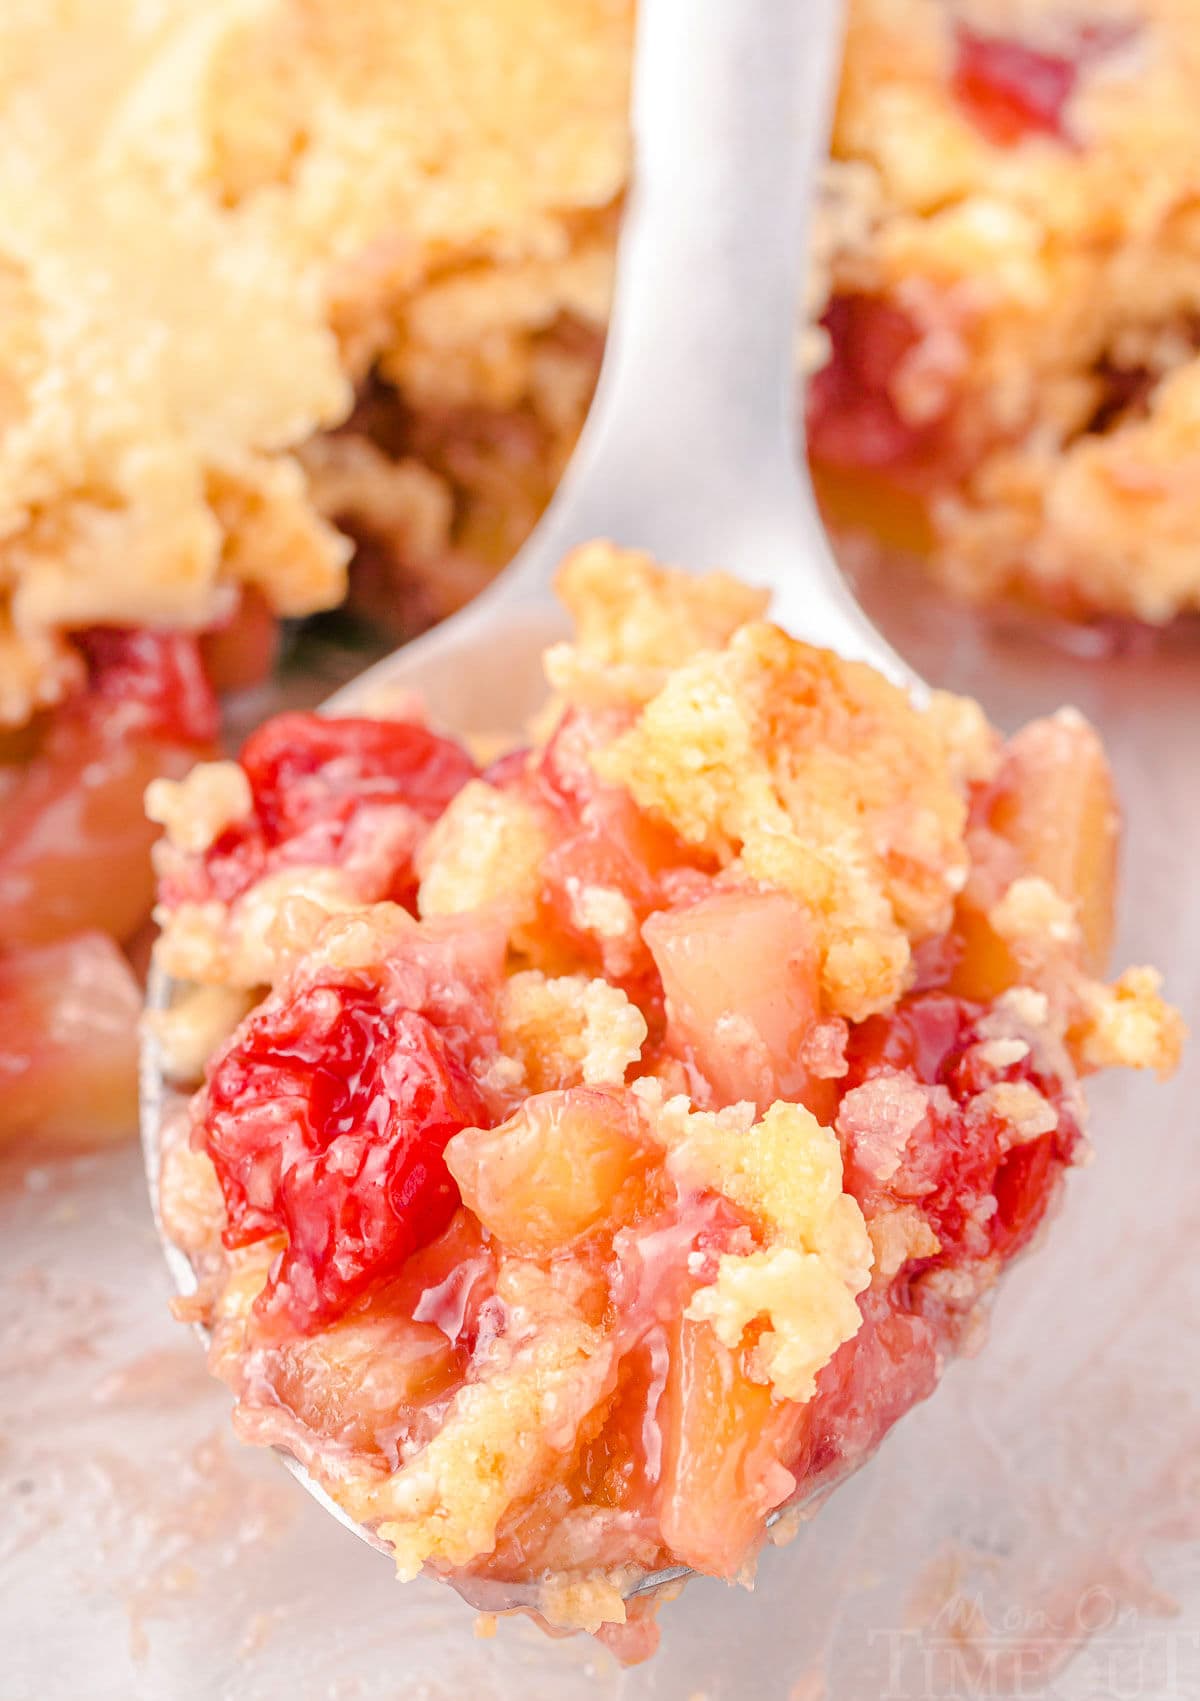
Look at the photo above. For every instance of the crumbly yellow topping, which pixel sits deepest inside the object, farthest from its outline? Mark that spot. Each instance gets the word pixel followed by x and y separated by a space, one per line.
pixel 785 1173
pixel 486 849
pixel 1035 919
pixel 1129 1024
pixel 810 1315
pixel 199 1020
pixel 814 775
pixel 159 349
pixel 570 1603
pixel 220 217
pixel 789 768
pixel 248 942
pixel 1025 1113
pixel 482 840
pixel 197 809
pixel 503 1436
pixel 190 1202
pixel 569 1030
pixel 898 1234
pixel 635 619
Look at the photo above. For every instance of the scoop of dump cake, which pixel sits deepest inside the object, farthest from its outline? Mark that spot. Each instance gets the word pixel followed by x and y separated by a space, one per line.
pixel 601 1149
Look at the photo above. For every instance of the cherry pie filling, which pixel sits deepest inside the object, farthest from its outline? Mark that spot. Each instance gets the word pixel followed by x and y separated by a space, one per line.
pixel 579 1194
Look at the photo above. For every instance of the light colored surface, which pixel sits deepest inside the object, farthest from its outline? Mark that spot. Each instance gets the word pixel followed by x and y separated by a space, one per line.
pixel 1045 1503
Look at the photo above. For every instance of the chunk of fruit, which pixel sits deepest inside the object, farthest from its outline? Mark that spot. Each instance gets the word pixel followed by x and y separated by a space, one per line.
pixel 726 1448
pixel 741 974
pixel 314 780
pixel 985 966
pixel 68 1043
pixel 1010 90
pixel 77 810
pixel 924 1037
pixel 146 684
pixel 853 420
pixel 621 1466
pixel 1054 804
pixel 870 1382
pixel 326 1117
pixel 360 1380
pixel 189 1198
pixel 76 806
pixel 242 652
pixel 900 512
pixel 983 1186
pixel 448 1282
pixel 1057 805
pixel 661 1261
pixel 606 869
pixel 562 1165
pixel 306 768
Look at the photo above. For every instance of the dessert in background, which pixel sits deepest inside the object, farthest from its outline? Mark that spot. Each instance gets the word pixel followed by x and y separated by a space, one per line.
pixel 275 279
pixel 282 277
pixel 222 223
pixel 601 1149
pixel 1009 381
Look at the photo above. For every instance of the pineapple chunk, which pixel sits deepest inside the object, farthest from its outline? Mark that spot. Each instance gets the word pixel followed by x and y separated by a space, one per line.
pixel 358 1380
pixel 1058 807
pixel 562 1165
pixel 68 1042
pixel 724 1443
pixel 742 976
pixel 986 966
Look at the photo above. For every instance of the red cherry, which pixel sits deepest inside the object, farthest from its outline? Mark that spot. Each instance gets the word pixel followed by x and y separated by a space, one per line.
pixel 305 768
pixel 76 805
pixel 960 1159
pixel 326 1119
pixel 311 778
pixel 853 421
pixel 1010 90
pixel 151 683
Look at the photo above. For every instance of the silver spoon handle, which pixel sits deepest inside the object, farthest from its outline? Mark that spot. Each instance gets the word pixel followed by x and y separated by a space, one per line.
pixel 695 416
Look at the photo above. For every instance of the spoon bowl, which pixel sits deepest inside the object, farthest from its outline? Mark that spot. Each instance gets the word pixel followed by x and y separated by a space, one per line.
pixel 691 448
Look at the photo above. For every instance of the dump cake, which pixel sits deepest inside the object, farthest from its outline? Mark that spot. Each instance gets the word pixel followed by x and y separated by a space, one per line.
pixel 311 290
pixel 378 316
pixel 1010 358
pixel 275 281
pixel 218 222
pixel 601 1148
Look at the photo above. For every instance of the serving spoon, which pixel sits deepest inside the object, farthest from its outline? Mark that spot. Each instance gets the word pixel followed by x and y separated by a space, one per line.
pixel 691 449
